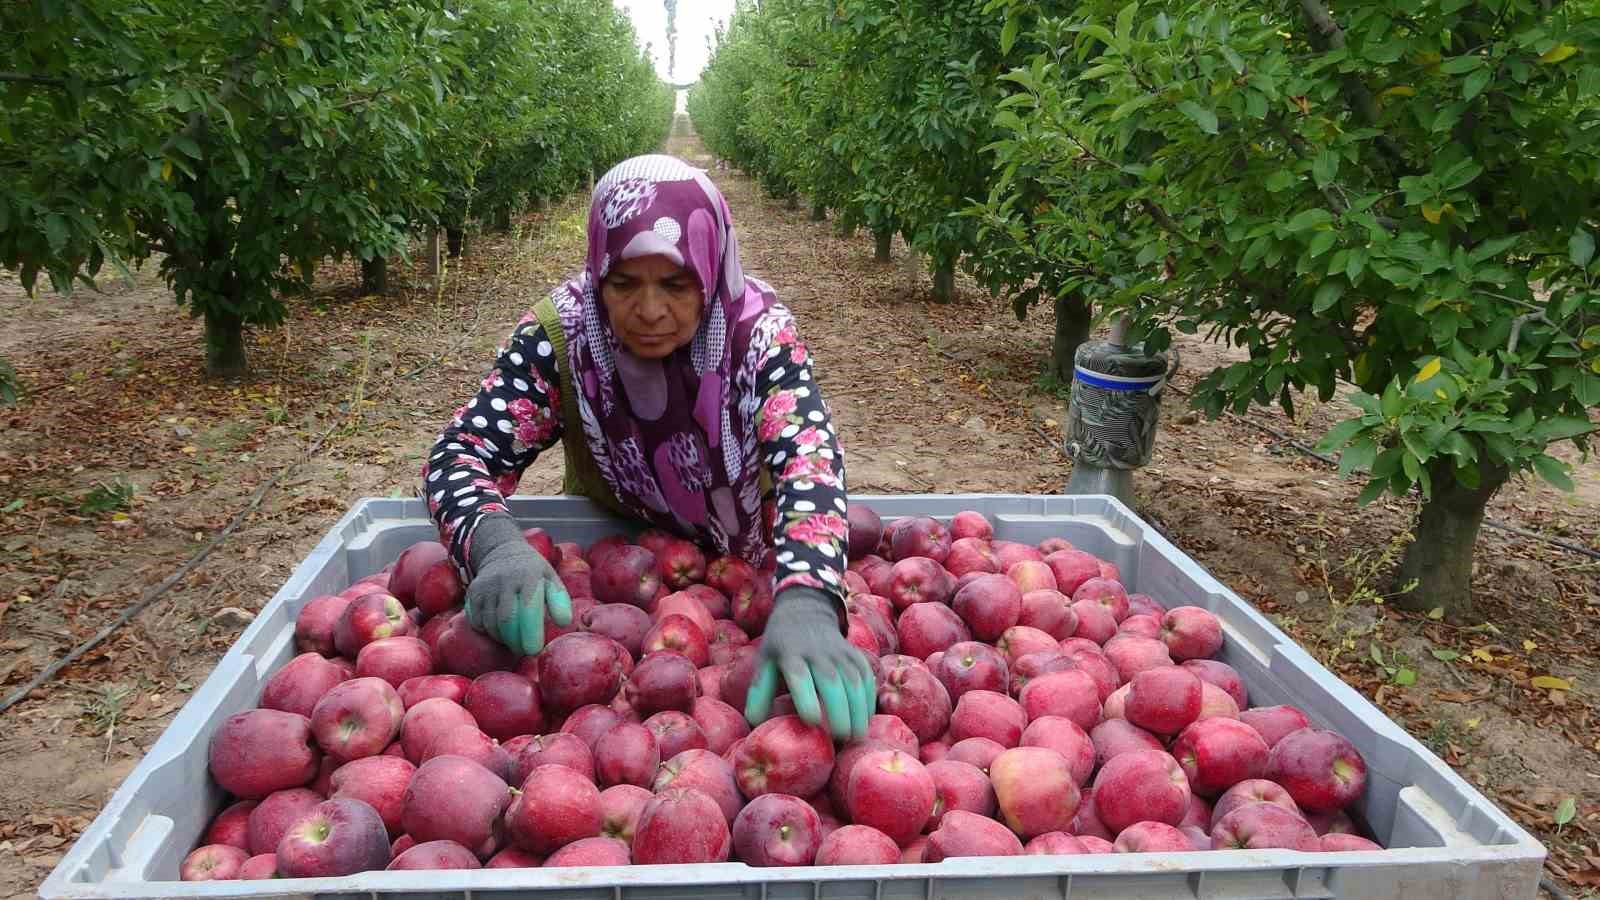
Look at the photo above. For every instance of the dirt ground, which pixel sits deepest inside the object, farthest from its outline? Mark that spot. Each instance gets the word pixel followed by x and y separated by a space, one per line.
pixel 928 398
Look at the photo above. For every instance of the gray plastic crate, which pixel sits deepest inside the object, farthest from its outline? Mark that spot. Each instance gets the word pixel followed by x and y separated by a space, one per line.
pixel 1447 839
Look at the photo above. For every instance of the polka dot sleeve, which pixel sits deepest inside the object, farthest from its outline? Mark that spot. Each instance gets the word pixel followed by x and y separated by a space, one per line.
pixel 807 508
pixel 480 457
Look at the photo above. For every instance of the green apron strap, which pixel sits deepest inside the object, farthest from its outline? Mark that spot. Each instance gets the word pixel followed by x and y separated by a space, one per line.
pixel 582 477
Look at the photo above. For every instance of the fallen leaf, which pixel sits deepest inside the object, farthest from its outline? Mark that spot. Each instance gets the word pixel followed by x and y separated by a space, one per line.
pixel 1549 682
pixel 1529 645
pixel 1475 721
pixel 1480 653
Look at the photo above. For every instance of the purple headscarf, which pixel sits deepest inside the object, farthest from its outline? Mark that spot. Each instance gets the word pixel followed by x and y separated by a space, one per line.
pixel 674 438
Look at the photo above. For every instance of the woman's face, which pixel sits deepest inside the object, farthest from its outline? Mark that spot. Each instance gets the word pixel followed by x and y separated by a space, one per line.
pixel 654 305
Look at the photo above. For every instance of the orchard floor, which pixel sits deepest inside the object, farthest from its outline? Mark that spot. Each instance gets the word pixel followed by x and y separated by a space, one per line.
pixel 929 398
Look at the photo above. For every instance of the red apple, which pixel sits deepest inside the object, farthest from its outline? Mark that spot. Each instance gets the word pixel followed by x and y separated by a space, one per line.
pixel 435 855
pixel 627 754
pixel 556 807
pixel 726 638
pixel 1198 814
pixel 1107 592
pixel 1263 826
pixel 314 624
pixel 959 786
pixel 681 564
pixel 464 650
pixel 1072 568
pixel 1070 694
pixel 681 635
pixel 395 660
pixel 1215 703
pixel 675 732
pixel 434 628
pixel 720 722
pixel 914 695
pixel 928 628
pixel 231 826
pixel 1140 786
pixel 625 574
pixel 990 604
pixel 260 867
pixel 843 763
pixel 1095 622
pixel 1020 640
pixel 893 732
pixel 1087 823
pixel 368 618
pixel 1116 704
pixel 513 858
pixel 357 718
pixel 1152 837
pixel 1274 722
pixel 272 818
pixel 579 669
pixel 591 852
pixel 890 790
pixel 777 830
pixel 968 555
pixel 256 752
pixel 704 771
pixel 1345 843
pixel 1191 633
pixel 784 755
pixel 918 579
pixel 1331 822
pixel 1035 790
pixel 1097 666
pixel 971 524
pixel 1036 664
pixel 663 680
pixel 620 806
pixel 969 666
pixel 961 833
pixel 752 606
pixel 1066 738
pixel 212 862
pixel 1222 675
pixel 301 682
pixel 622 622
pixel 1140 626
pixel 558 749
pixel 1145 605
pixel 866 529
pixel 920 536
pixel 379 782
pixel 1132 655
pixel 988 714
pixel 681 826
pixel 451 798
pixel 1255 790
pixel 1050 611
pixel 427 720
pixel 1055 843
pixel 1321 770
pixel 469 742
pixel 590 722
pixel 1054 544
pixel 338 837
pixel 857 845
pixel 409 566
pixel 1217 754
pixel 505 705
pixel 1009 553
pixel 715 602
pixel 540 540
pixel 977 751
pixel 1164 700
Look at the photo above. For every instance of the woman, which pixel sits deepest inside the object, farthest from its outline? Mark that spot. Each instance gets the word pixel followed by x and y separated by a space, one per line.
pixel 677 385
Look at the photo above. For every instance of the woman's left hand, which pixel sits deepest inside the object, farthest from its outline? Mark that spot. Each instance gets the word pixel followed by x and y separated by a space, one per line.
pixel 824 672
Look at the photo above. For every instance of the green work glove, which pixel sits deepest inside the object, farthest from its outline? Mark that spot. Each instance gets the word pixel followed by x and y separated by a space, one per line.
pixel 803 644
pixel 511 586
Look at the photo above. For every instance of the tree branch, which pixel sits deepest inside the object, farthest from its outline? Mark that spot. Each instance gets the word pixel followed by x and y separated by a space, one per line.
pixel 1328 33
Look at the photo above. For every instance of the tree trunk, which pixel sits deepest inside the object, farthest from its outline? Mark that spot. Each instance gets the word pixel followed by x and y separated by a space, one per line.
pixel 791 202
pixel 1440 558
pixel 1073 316
pixel 885 239
pixel 944 281
pixel 224 344
pixel 819 213
pixel 375 275
pixel 454 240
pixel 502 219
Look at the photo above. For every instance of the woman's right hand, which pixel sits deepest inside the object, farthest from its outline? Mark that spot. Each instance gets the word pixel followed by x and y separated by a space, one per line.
pixel 512 587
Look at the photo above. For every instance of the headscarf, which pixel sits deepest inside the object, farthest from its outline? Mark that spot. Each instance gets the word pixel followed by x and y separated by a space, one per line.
pixel 674 438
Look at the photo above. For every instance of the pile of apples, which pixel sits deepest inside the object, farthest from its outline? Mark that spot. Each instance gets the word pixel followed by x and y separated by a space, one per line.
pixel 1026 704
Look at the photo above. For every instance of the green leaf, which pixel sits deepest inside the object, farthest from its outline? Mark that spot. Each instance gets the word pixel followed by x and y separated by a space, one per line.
pixel 1125 21
pixel 1100 71
pixel 1566 811
pixel 1445 655
pixel 1205 118
pixel 1460 65
pixel 55 231
pixel 1322 243
pixel 1405 677
pixel 1475 84
pixel 1008 34
pixel 1553 470
pixel 1309 218
pixel 1376 653
pixel 1325 167
pixel 1339 435
pixel 1234 59
pixel 1279 181
pixel 1328 294
pixel 1494 247
pixel 1358 457
pixel 1372 491
pixel 1557 428
pixel 13 506
pixel 1163 26
pixel 1580 248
